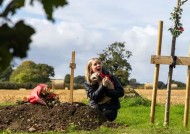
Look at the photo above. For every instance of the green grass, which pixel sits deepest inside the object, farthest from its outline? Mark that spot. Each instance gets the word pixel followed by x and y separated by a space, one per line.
pixel 136 113
pixel 6 104
pixel 135 117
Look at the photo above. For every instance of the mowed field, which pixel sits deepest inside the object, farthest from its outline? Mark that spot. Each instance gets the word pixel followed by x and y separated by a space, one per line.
pixel 177 96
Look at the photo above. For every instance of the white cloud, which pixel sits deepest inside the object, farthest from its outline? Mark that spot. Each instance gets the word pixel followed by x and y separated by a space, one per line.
pixel 88 27
pixel 141 42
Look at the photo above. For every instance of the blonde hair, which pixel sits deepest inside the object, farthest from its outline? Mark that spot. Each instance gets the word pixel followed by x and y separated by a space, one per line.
pixel 88 71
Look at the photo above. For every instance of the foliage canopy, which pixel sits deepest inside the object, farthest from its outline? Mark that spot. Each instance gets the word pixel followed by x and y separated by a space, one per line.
pixel 115 59
pixel 29 71
pixel 15 37
pixel 5 75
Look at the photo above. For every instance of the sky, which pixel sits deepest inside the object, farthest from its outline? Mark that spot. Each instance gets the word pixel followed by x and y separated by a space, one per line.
pixel 89 26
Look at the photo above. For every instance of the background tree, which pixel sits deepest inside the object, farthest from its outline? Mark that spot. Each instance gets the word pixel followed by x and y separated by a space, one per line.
pixel 132 81
pixel 28 71
pixel 115 59
pixel 79 80
pixel 5 75
pixel 16 37
pixel 67 79
pixel 179 84
pixel 161 85
pixel 45 71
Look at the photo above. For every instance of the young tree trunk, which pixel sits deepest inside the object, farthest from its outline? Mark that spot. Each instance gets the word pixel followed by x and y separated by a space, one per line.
pixel 170 73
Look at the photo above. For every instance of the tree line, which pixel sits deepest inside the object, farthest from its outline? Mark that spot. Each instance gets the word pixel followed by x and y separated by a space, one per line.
pixel 114 58
pixel 28 74
pixel 15 37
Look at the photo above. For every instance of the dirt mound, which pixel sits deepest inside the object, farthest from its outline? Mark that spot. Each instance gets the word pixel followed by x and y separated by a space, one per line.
pixel 37 118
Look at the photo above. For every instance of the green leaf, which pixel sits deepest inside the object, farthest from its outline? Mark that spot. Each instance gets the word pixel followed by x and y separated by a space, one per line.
pixel 12 7
pixel 4 62
pixel 22 37
pixel 115 59
pixel 50 5
pixel 29 71
pixel 14 42
pixel 1 1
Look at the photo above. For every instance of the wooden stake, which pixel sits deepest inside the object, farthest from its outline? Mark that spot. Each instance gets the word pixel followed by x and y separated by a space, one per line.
pixel 186 110
pixel 53 84
pixel 168 60
pixel 72 66
pixel 172 60
pixel 156 72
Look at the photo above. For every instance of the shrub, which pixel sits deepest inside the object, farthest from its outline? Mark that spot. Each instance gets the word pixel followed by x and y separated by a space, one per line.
pixel 135 101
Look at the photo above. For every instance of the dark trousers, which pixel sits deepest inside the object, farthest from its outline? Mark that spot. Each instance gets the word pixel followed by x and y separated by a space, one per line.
pixel 110 114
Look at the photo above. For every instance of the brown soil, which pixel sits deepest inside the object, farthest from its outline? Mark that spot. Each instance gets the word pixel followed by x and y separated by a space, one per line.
pixel 37 118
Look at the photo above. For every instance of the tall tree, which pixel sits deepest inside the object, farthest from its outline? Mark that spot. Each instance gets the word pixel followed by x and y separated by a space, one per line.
pixel 45 71
pixel 24 66
pixel 67 79
pixel 132 81
pixel 179 84
pixel 161 85
pixel 5 75
pixel 79 80
pixel 115 59
pixel 16 37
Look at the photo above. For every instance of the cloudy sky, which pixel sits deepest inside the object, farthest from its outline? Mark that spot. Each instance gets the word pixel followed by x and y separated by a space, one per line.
pixel 89 26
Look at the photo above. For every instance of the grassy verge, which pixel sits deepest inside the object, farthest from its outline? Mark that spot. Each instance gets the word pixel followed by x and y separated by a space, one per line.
pixel 135 117
pixel 136 113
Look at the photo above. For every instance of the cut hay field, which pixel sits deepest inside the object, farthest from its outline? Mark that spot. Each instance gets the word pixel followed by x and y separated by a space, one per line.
pixel 177 96
pixel 13 95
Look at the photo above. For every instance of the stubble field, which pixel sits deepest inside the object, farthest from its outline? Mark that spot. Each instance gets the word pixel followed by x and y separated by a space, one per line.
pixel 64 95
pixel 177 96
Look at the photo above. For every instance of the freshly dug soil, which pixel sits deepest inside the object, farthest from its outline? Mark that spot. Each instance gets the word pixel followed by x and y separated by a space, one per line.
pixel 37 118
